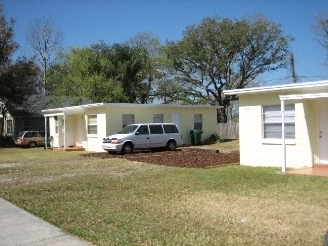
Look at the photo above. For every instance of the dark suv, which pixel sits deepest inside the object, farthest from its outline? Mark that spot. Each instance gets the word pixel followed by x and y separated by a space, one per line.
pixel 30 139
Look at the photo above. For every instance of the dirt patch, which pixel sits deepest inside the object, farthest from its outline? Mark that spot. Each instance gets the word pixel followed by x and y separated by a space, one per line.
pixel 192 158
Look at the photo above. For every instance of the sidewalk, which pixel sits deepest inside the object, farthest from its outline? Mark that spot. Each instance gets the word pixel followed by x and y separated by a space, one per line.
pixel 18 227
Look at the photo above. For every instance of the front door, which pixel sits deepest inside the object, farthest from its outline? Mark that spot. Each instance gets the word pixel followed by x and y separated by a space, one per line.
pixel 175 118
pixel 323 131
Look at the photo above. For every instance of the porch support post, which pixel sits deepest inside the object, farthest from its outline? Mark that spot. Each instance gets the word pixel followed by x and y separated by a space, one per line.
pixel 64 131
pixel 46 131
pixel 283 168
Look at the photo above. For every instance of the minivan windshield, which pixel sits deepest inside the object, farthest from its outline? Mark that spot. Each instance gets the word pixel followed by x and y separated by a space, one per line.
pixel 128 129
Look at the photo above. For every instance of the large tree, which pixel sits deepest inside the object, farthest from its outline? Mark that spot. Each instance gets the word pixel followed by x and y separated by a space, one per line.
pixel 7 48
pixel 7 44
pixel 321 29
pixel 102 73
pixel 152 67
pixel 84 74
pixel 17 84
pixel 45 39
pixel 222 53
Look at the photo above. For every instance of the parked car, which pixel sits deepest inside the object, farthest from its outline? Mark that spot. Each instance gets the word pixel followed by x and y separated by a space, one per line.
pixel 144 136
pixel 30 139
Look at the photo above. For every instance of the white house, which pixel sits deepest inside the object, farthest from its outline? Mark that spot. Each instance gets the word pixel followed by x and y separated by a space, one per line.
pixel 86 125
pixel 283 126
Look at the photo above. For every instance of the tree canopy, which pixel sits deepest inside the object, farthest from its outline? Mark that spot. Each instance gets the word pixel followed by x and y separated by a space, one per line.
pixel 102 73
pixel 7 44
pixel 321 29
pixel 45 39
pixel 222 53
pixel 17 84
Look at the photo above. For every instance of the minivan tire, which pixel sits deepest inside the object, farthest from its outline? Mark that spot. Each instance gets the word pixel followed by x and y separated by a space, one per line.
pixel 127 148
pixel 171 145
pixel 32 144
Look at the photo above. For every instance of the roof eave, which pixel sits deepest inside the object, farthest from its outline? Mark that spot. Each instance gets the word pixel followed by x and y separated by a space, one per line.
pixel 286 87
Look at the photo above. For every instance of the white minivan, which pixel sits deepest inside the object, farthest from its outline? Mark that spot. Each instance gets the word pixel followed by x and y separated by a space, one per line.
pixel 144 136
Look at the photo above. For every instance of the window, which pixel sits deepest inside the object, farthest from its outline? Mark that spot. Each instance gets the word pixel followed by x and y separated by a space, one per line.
pixel 143 130
pixel 156 129
pixel 158 118
pixel 170 129
pixel 128 119
pixel 31 135
pixel 272 122
pixel 92 124
pixel 198 125
pixel 9 127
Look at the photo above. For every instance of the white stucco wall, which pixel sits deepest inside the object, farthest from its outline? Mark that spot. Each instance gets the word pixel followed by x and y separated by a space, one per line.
pixel 110 121
pixel 257 151
pixel 114 120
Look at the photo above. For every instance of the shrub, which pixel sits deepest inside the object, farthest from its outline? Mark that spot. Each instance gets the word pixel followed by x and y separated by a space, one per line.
pixel 214 137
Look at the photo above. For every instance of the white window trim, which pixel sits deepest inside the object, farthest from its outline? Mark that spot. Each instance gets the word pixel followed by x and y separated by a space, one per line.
pixel 92 135
pixel 277 141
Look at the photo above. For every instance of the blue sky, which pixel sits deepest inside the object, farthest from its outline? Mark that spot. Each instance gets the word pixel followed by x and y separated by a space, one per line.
pixel 85 22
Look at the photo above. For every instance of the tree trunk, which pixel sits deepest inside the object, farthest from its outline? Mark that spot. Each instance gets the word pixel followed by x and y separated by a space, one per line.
pixel 222 115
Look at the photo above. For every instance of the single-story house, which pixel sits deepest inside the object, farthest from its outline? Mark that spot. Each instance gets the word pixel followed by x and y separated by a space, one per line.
pixel 29 116
pixel 283 126
pixel 86 125
pixel 25 117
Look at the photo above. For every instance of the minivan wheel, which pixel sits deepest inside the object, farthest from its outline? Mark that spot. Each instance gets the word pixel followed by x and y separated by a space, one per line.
pixel 32 144
pixel 171 145
pixel 127 148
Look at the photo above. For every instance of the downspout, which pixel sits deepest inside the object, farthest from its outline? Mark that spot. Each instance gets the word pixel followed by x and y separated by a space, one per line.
pixel 283 168
pixel 46 131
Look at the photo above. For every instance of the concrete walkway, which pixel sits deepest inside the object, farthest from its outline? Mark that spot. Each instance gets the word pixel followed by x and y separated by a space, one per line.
pixel 18 227
pixel 316 170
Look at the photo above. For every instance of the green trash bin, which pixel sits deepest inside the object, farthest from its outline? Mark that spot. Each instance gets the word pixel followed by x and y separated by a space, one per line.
pixel 198 137
pixel 193 137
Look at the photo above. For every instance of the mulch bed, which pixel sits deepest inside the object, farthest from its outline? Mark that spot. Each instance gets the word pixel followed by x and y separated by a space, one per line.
pixel 191 158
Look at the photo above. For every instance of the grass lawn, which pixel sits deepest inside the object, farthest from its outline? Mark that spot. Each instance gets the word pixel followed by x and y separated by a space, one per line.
pixel 118 202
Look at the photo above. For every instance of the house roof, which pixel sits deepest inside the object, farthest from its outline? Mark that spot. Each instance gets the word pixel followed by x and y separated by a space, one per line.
pixel 298 88
pixel 35 103
pixel 74 110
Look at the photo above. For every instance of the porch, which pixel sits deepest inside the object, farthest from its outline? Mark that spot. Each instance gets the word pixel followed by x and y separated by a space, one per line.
pixel 75 148
pixel 317 170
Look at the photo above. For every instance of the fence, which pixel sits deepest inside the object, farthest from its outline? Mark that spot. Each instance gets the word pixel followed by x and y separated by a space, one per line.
pixel 228 130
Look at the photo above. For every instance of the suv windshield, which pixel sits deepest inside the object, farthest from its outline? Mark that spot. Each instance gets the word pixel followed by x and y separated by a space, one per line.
pixel 128 129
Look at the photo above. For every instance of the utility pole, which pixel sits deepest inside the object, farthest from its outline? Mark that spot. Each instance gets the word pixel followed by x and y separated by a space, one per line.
pixel 292 67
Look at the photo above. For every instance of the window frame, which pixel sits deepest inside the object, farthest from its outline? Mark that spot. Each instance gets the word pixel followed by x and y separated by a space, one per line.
pixel 126 120
pixel 9 127
pixel 92 124
pixel 198 122
pixel 275 123
pixel 158 118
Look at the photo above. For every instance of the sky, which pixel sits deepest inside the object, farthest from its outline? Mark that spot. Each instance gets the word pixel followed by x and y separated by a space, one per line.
pixel 86 22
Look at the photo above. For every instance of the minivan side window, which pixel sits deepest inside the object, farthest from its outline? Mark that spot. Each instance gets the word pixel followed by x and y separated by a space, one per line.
pixel 170 129
pixel 143 130
pixel 156 129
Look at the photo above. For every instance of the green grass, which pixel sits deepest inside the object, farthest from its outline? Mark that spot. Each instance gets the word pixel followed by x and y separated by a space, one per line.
pixel 224 147
pixel 118 202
